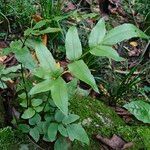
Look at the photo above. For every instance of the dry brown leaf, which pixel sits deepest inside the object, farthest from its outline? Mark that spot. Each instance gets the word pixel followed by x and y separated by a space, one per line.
pixel 37 18
pixel 69 6
pixel 110 6
pixel 67 76
pixel 2 58
pixel 44 39
pixel 134 52
pixel 124 114
pixel 116 142
pixel 134 44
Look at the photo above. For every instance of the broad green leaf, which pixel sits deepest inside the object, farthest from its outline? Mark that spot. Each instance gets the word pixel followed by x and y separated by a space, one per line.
pixel 59 116
pixel 5 79
pixel 23 55
pixel 46 138
pixel 73 44
pixel 62 130
pixel 10 70
pixel 28 113
pixel 6 51
pixel 23 103
pixel 123 32
pixel 1 66
pixel 25 58
pixel 89 15
pixel 49 117
pixel 40 127
pixel 49 30
pixel 45 126
pixel 35 119
pixel 30 43
pixel 72 87
pixel 39 24
pixel 45 31
pixel 81 71
pixel 106 51
pixel 97 34
pixel 3 85
pixel 15 45
pixel 34 132
pixel 36 102
pixel 24 128
pixel 52 131
pixel 28 31
pixel 140 109
pixel 22 96
pixel 82 92
pixel 70 119
pixel 41 87
pixel 45 57
pixel 39 108
pixel 47 107
pixel 146 89
pixel 77 132
pixel 61 144
pixel 42 73
pixel 59 95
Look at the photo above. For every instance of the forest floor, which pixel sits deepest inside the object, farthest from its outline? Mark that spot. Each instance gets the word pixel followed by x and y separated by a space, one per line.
pixel 108 124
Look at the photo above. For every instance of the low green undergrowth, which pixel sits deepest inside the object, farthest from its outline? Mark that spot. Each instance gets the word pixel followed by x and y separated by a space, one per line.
pixel 41 92
pixel 101 119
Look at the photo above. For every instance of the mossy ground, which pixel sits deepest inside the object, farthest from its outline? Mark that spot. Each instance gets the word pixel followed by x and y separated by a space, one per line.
pixel 13 139
pixel 97 118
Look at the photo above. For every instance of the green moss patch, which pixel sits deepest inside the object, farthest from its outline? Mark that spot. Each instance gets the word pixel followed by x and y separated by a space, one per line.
pixel 13 139
pixel 97 118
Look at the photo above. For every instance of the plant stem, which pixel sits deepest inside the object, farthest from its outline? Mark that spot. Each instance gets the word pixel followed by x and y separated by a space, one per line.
pixel 25 89
pixel 47 99
pixel 8 23
pixel 84 54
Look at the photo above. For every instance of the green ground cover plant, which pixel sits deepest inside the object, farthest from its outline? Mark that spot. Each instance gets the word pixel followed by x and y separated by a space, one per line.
pixel 42 93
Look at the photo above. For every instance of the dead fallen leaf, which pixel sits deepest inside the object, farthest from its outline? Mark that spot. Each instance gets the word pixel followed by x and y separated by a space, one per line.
pixel 44 39
pixel 2 45
pixel 134 43
pixel 116 142
pixel 94 94
pixel 67 76
pixel 69 6
pixel 37 18
pixel 124 114
pixel 110 6
pixel 104 90
pixel 63 64
pixel 10 61
pixel 2 58
pixel 134 52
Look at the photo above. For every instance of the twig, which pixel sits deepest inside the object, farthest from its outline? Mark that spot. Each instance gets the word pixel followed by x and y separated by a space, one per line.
pixel 35 144
pixel 145 49
pixel 9 29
